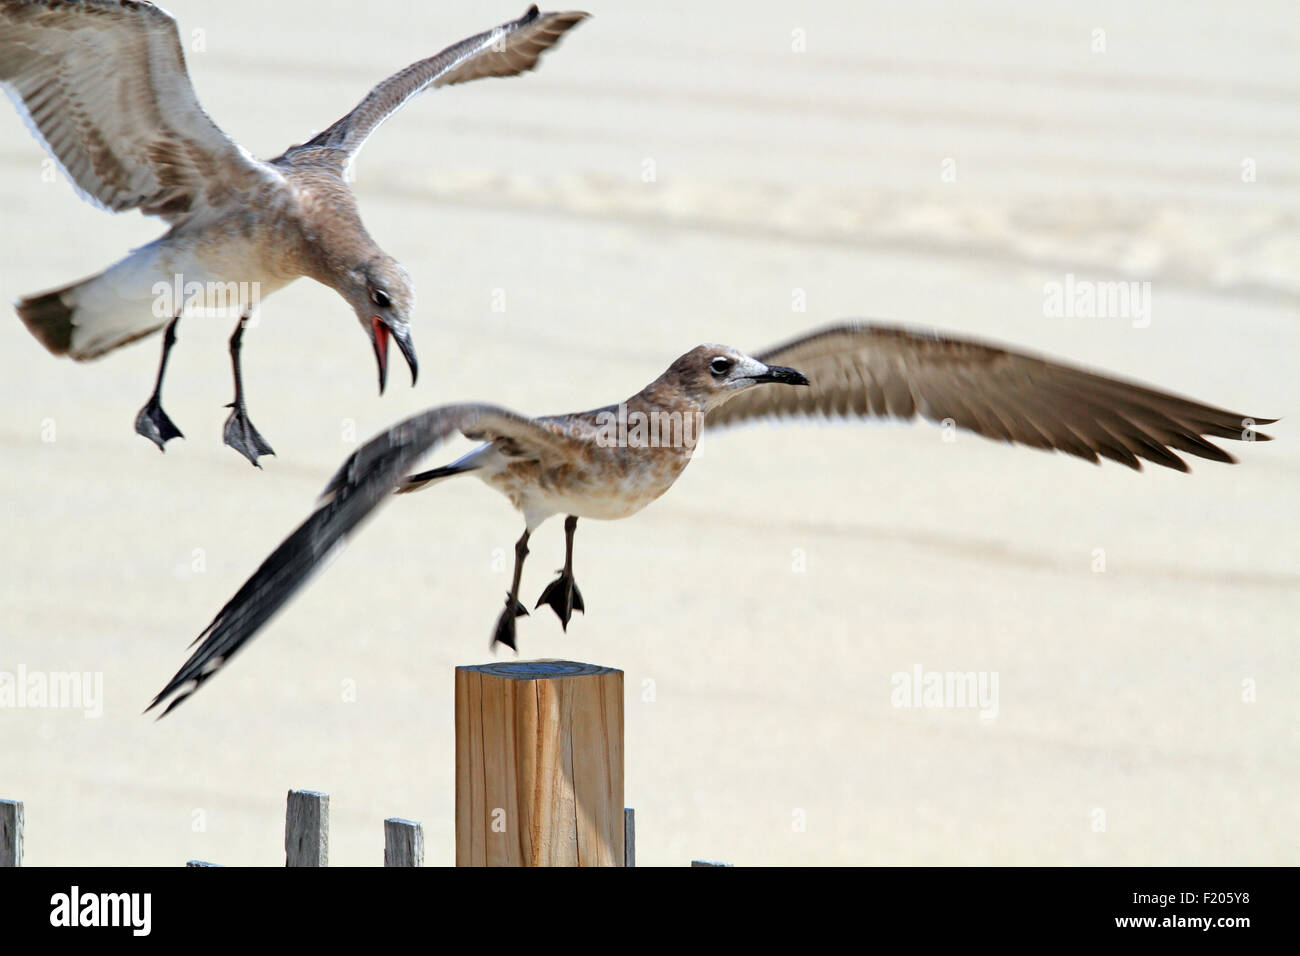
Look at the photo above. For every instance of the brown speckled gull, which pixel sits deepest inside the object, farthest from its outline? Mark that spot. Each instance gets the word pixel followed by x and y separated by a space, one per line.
pixel 611 462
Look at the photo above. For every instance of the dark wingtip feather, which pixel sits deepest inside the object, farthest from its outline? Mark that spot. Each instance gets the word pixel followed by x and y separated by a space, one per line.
pixel 365 481
pixel 1260 436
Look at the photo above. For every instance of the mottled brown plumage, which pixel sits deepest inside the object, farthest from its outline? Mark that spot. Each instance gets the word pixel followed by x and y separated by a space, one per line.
pixel 597 464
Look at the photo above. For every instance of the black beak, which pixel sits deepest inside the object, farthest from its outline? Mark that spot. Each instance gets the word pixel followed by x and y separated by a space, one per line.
pixel 408 352
pixel 781 375
pixel 380 338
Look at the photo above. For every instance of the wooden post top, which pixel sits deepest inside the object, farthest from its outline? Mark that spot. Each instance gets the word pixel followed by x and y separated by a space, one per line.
pixel 539 764
pixel 537 670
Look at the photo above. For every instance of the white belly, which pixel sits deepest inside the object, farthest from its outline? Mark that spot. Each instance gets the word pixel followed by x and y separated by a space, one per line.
pixel 601 508
pixel 585 494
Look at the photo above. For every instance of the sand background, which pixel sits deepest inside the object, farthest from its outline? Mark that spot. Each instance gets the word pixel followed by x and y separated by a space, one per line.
pixel 756 691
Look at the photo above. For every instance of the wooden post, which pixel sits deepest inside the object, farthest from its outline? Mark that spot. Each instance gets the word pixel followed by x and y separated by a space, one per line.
pixel 11 833
pixel 403 843
pixel 307 829
pixel 539 764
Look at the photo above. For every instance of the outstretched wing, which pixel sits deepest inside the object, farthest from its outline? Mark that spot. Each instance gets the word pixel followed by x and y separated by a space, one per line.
pixel 102 84
pixel 365 481
pixel 866 370
pixel 512 48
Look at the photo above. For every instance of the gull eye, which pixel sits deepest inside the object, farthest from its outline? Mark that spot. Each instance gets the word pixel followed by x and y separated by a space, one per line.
pixel 720 366
pixel 380 298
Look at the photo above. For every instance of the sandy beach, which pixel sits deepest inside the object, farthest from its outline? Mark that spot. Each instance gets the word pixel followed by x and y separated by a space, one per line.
pixel 675 174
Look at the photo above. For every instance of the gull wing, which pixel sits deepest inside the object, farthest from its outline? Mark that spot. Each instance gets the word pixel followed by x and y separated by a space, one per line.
pixel 366 480
pixel 512 48
pixel 866 370
pixel 103 86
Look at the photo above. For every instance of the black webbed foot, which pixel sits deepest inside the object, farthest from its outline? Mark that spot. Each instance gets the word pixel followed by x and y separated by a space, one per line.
pixel 154 424
pixel 564 598
pixel 505 630
pixel 243 437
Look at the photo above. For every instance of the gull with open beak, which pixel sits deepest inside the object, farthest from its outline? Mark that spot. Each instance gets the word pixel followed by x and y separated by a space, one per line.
pixel 103 86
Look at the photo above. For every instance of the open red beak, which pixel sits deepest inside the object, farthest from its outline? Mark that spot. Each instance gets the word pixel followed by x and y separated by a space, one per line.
pixel 381 350
pixel 379 332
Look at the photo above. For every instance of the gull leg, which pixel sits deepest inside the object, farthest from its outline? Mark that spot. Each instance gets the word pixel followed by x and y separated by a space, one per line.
pixel 505 632
pixel 240 433
pixel 152 422
pixel 562 594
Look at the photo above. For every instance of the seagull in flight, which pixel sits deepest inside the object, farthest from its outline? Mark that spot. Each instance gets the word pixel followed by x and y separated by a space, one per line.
pixel 102 85
pixel 611 462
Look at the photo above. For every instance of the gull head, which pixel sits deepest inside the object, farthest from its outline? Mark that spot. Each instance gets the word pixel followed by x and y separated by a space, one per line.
pixel 710 374
pixel 381 294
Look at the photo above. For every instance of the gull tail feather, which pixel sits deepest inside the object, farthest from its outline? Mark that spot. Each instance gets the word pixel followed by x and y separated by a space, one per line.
pixel 99 313
pixel 49 317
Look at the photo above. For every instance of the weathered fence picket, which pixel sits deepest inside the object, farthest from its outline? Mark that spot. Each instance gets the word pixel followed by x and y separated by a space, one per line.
pixel 403 843
pixel 307 829
pixel 629 836
pixel 11 833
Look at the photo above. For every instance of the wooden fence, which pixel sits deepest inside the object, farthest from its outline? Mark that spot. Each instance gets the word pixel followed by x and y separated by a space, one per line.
pixel 539 777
